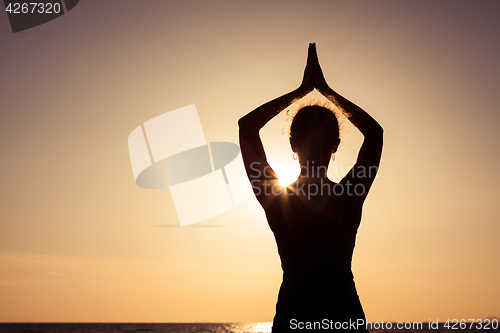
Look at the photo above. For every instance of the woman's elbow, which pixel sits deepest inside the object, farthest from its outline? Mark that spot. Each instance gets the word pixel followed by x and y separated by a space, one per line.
pixel 247 126
pixel 242 122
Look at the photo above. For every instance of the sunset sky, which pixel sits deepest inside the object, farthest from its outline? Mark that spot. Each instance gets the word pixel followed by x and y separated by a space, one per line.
pixel 81 242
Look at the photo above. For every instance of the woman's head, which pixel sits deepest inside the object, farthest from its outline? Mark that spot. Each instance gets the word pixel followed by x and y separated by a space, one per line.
pixel 314 132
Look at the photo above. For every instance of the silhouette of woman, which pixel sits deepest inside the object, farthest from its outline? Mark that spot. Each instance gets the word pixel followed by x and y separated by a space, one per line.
pixel 314 220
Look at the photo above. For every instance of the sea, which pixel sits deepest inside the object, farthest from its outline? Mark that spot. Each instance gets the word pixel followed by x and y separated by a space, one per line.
pixel 192 328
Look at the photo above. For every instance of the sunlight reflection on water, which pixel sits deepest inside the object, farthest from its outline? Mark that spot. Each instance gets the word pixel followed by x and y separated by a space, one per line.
pixel 262 327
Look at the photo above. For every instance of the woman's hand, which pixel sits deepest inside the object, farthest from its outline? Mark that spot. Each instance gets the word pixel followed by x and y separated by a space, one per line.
pixel 315 68
pixel 308 80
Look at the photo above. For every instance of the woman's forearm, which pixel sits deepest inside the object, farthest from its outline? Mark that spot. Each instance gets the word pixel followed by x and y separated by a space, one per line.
pixel 356 115
pixel 256 119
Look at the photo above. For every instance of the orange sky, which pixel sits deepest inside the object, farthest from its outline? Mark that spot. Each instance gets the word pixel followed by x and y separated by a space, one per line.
pixel 80 242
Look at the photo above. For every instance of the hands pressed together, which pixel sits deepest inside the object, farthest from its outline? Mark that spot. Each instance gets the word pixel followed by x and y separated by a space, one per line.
pixel 313 75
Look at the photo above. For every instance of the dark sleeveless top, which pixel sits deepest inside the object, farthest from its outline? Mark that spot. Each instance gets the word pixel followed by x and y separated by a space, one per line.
pixel 315 248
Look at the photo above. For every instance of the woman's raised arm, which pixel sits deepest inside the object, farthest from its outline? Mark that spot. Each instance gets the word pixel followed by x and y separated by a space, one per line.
pixel 256 119
pixel 366 166
pixel 251 146
pixel 359 118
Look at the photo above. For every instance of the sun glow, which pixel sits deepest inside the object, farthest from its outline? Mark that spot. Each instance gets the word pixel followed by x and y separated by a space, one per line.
pixel 287 173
